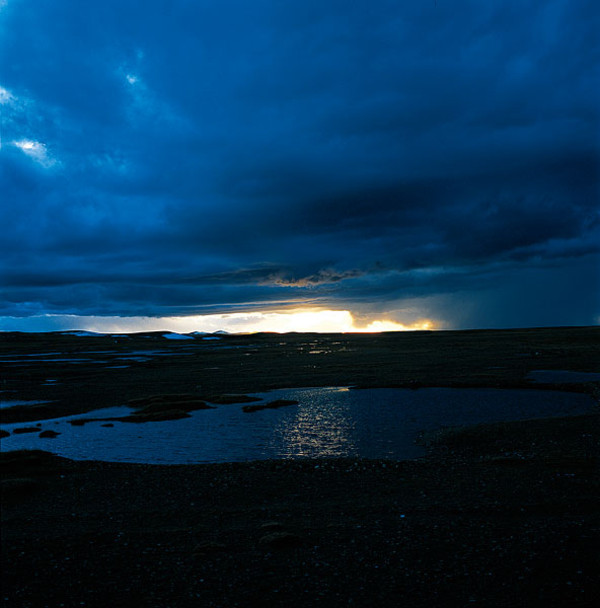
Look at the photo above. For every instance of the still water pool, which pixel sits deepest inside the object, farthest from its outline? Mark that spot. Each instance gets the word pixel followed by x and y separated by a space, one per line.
pixel 327 422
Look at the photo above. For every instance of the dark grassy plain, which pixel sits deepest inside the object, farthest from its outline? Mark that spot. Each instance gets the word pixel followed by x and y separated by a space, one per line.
pixel 500 515
pixel 258 362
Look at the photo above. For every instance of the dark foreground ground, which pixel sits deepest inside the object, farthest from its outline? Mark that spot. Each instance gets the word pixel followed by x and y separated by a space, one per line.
pixel 502 515
pixel 499 515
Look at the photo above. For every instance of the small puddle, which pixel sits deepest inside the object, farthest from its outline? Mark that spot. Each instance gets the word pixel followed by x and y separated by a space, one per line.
pixel 10 402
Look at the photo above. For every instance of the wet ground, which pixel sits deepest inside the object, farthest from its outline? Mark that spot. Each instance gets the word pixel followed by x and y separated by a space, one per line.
pixel 79 373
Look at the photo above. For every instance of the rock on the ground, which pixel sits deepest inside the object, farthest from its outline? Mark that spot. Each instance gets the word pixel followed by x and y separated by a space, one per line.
pixel 248 409
pixel 49 434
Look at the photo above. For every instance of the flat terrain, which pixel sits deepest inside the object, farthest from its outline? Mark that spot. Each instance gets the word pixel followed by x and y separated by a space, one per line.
pixel 80 374
pixel 498 515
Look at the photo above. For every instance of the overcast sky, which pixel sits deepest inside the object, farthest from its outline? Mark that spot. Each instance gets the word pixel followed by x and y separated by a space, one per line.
pixel 399 160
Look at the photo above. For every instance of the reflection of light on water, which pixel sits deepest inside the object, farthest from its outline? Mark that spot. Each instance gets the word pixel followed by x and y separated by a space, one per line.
pixel 321 427
pixel 327 422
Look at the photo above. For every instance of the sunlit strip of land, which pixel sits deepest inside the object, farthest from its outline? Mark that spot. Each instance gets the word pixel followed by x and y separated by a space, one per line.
pixel 321 321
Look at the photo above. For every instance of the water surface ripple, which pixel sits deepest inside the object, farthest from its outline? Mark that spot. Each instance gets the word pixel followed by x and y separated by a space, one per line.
pixel 328 422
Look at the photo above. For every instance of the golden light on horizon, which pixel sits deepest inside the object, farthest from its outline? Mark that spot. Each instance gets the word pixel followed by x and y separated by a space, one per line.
pixel 297 320
pixel 379 326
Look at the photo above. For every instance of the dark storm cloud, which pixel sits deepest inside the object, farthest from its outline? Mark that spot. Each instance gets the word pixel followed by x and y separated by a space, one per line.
pixel 178 157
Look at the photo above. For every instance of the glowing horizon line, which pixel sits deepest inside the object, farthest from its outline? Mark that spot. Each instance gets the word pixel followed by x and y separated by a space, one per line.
pixel 298 320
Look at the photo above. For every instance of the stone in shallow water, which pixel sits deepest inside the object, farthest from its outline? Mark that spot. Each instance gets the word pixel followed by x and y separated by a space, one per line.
pixel 272 405
pixel 49 434
pixel 159 416
pixel 228 399
pixel 164 406
pixel 168 398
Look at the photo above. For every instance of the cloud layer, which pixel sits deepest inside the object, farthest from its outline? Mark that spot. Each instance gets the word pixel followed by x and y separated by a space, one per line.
pixel 166 158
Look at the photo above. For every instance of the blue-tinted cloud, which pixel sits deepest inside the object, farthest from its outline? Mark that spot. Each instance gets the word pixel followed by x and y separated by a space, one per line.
pixel 165 157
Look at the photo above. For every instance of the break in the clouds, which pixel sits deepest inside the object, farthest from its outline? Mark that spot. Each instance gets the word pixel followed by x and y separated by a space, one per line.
pixel 401 161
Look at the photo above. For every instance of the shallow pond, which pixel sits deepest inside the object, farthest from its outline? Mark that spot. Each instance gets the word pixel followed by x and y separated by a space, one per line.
pixel 10 402
pixel 328 422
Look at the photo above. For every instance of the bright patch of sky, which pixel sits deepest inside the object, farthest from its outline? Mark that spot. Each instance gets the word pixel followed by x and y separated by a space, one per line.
pixel 398 160
pixel 321 321
pixel 146 104
pixel 37 151
pixel 5 96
